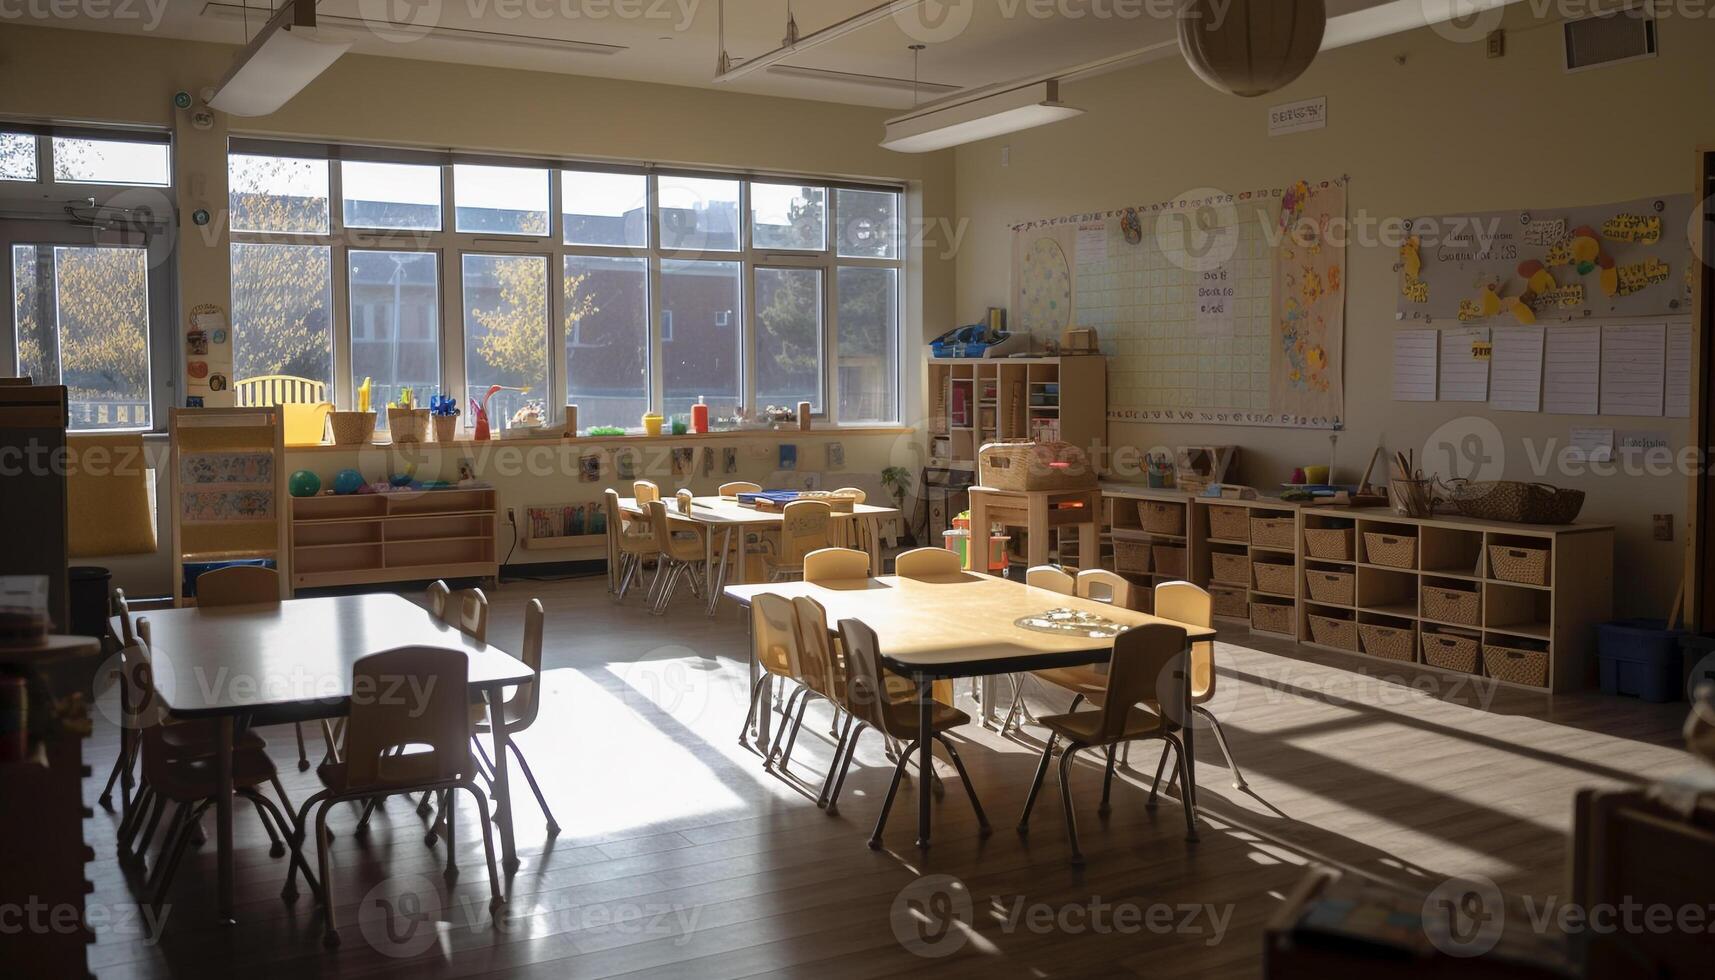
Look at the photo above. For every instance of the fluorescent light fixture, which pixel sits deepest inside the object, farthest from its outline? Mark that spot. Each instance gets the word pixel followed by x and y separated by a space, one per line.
pixel 958 122
pixel 1399 16
pixel 284 56
pixel 355 29
pixel 854 78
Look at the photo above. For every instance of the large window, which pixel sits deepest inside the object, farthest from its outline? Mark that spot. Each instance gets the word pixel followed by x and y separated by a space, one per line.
pixel 617 291
pixel 82 320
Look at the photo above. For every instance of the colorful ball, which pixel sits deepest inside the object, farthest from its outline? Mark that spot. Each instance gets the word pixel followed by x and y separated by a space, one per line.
pixel 304 484
pixel 347 481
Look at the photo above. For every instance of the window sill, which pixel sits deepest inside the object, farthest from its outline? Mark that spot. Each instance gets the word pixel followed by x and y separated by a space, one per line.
pixel 776 435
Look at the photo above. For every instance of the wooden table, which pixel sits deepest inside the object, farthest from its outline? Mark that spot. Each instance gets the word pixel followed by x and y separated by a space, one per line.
pixel 946 626
pixel 1039 512
pixel 730 516
pixel 291 661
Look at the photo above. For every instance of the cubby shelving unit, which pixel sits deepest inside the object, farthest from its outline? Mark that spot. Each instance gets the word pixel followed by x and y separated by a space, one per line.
pixel 228 483
pixel 1130 549
pixel 1229 539
pixel 979 400
pixel 365 539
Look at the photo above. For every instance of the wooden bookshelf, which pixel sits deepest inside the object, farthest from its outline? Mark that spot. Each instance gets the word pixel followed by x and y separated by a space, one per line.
pixel 1129 549
pixel 973 401
pixel 1224 559
pixel 371 538
pixel 228 484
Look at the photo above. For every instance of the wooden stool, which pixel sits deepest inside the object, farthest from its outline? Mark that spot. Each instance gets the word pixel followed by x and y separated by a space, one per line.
pixel 1039 512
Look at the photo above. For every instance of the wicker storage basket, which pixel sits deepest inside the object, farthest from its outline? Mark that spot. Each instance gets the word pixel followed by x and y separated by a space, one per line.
pixel 1334 543
pixel 1388 642
pixel 1273 532
pixel 1338 588
pixel 1510 500
pixel 1272 617
pixel 1512 564
pixel 1515 664
pixel 1043 466
pixel 1229 523
pixel 446 428
pixel 1392 550
pixel 1131 556
pixel 1157 517
pixel 1331 632
pixel 1230 601
pixel 1451 651
pixel 1275 579
pixel 1169 560
pixel 351 428
pixel 408 424
pixel 1452 605
pixel 1230 569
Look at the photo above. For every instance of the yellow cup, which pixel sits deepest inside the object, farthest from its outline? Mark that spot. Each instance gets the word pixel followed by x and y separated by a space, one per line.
pixel 1316 475
pixel 652 424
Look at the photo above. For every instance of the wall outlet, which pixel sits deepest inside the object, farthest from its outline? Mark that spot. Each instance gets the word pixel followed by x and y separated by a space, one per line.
pixel 1663 527
pixel 1496 43
pixel 511 517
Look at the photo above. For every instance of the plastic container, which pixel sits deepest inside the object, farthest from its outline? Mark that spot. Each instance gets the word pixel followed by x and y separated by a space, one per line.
pixel 958 541
pixel 700 416
pixel 652 424
pixel 1640 658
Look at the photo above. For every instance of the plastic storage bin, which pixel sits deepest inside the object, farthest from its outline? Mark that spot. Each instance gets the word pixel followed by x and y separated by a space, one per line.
pixel 959 539
pixel 1640 658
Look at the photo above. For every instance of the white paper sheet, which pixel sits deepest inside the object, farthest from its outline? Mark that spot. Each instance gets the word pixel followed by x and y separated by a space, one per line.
pixel 1414 362
pixel 1092 243
pixel 1572 370
pixel 1632 368
pixel 1678 369
pixel 1596 445
pixel 1515 370
pixel 1464 376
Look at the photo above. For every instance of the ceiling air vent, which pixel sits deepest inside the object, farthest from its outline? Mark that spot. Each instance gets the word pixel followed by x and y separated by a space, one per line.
pixel 1608 39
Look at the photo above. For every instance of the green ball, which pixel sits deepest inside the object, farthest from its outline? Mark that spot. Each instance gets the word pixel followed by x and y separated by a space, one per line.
pixel 304 484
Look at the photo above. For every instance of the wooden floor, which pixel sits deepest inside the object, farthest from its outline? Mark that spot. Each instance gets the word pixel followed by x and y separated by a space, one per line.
pixel 680 856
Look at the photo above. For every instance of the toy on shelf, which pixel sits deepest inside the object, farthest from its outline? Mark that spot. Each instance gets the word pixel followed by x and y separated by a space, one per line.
pixel 525 422
pixel 304 483
pixel 407 422
pixel 347 481
pixel 444 411
pixel 480 411
pixel 978 340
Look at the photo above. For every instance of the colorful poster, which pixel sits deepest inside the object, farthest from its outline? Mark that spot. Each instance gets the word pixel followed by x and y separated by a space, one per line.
pixel 1309 302
pixel 1042 284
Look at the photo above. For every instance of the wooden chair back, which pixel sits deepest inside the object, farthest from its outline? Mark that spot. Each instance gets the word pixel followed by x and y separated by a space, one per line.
pixel 278 389
pixel 817 667
pixel 774 633
pixel 142 708
pixel 436 596
pixel 866 694
pixel 923 562
pixel 681 547
pixel 526 698
pixel 413 698
pixel 1104 586
pixel 237 585
pixel 1183 602
pixel 1145 667
pixel 1052 578
pixel 835 564
pixel 644 491
pixel 804 526
pixel 857 494
pixel 633 533
pixel 682 500
pixel 121 611
pixel 737 487
pixel 465 610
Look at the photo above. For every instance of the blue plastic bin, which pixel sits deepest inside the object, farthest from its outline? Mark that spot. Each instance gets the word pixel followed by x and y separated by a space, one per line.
pixel 1640 658
pixel 195 568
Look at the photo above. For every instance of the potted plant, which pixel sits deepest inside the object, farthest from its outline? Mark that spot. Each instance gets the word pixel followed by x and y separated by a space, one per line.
pixel 897 481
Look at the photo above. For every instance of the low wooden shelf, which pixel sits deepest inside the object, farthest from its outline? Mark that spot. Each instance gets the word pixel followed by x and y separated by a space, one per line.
pixel 368 539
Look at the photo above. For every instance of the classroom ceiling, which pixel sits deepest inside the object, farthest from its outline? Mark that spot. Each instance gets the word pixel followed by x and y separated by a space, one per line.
pixel 969 43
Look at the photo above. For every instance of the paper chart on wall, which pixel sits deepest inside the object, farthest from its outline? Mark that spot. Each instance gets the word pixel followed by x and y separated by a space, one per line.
pixel 1678 383
pixel 1415 357
pixel 1515 369
pixel 1465 365
pixel 1633 360
pixel 1572 370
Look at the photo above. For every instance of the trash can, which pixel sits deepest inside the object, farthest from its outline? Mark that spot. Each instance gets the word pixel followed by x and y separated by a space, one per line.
pixel 1640 658
pixel 87 587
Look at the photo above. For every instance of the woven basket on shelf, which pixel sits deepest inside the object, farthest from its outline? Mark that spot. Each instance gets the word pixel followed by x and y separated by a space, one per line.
pixel 408 424
pixel 1042 466
pixel 1392 550
pixel 1230 601
pixel 1158 517
pixel 1131 556
pixel 1450 651
pixel 1230 569
pixel 1388 642
pixel 1446 605
pixel 1272 617
pixel 1333 543
pixel 1515 664
pixel 1229 523
pixel 1169 560
pixel 1338 588
pixel 351 428
pixel 1331 632
pixel 1272 532
pixel 1273 578
pixel 1510 500
pixel 1528 566
pixel 446 428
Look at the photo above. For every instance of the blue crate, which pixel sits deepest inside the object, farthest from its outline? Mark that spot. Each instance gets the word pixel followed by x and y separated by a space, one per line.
pixel 193 569
pixel 1640 658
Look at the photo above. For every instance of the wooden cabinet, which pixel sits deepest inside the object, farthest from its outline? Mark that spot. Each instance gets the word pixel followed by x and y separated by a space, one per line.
pixel 363 539
pixel 974 401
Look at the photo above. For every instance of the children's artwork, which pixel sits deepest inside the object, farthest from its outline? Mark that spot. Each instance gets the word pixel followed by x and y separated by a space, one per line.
pixel 625 463
pixel 836 456
pixel 682 462
pixel 708 461
pixel 467 469
pixel 1042 281
pixel 788 456
pixel 208 356
pixel 1632 258
pixel 218 506
pixel 1231 306
pixel 729 460
pixel 226 468
pixel 589 468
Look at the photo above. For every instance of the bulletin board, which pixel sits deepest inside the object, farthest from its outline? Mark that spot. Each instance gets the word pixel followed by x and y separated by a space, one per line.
pixel 1215 308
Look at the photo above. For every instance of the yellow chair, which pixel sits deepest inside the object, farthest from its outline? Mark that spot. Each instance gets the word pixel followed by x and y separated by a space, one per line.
pixel 680 548
pixel 1101 585
pixel 925 562
pixel 1183 602
pixel 774 639
pixel 644 491
pixel 835 564
pixel 518 712
pixel 635 541
pixel 465 610
pixel 305 425
pixel 737 487
pixel 818 672
pixel 1147 673
pixel 279 389
pixel 1052 578
pixel 804 527
pixel 853 533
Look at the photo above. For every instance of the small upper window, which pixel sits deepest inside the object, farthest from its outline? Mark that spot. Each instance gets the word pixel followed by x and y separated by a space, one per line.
pixel 698 213
pixel 604 209
pixel 281 195
pixel 86 161
pixel 406 196
pixel 17 156
pixel 869 224
pixel 788 216
pixel 500 200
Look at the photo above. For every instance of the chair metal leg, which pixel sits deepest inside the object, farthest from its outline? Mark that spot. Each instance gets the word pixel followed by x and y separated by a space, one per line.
pixel 750 717
pixel 121 763
pixel 142 846
pixel 1221 740
pixel 857 728
pixel 1160 767
pixel 824 798
pixel 1036 784
pixel 276 847
pixel 1185 794
pixel 530 777
pixel 133 821
pixel 887 802
pixel 1107 784
pixel 303 754
pixel 965 777
pixel 1066 801
pixel 495 899
pixel 330 936
pixel 294 835
pixel 172 851
pixel 797 726
pixel 449 813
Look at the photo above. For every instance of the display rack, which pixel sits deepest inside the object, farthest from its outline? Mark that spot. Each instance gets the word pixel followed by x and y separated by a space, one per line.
pixel 226 470
pixel 403 536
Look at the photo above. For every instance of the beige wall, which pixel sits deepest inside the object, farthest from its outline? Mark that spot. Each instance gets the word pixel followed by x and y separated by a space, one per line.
pixel 88 76
pixel 1441 130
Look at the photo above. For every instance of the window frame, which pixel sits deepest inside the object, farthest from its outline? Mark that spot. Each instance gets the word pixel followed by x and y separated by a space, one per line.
pixel 451 245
